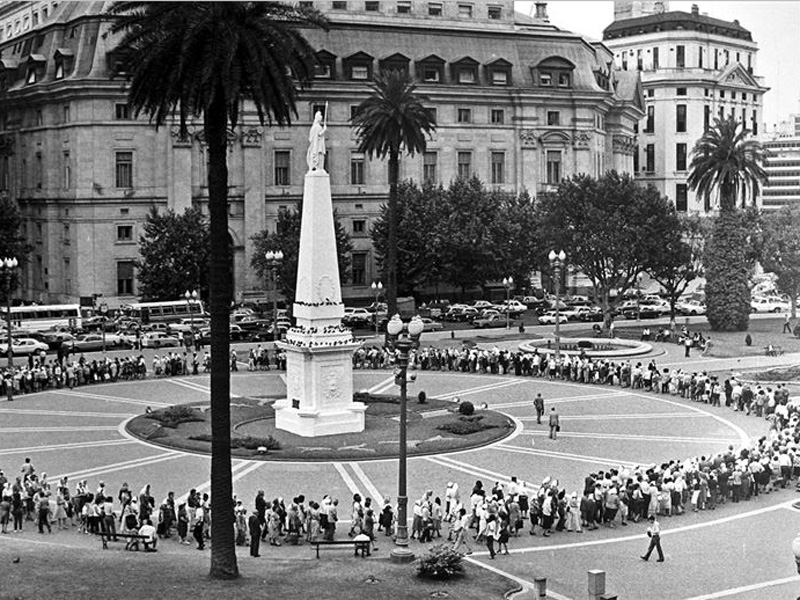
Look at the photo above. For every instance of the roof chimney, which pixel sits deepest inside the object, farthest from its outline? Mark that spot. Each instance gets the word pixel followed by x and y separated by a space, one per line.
pixel 541 12
pixel 695 10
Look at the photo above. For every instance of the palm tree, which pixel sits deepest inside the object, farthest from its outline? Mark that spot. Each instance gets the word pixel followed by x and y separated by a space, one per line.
pixel 726 165
pixel 726 162
pixel 205 59
pixel 392 119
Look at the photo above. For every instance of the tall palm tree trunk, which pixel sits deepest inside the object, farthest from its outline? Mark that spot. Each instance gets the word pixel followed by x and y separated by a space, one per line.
pixel 223 550
pixel 391 255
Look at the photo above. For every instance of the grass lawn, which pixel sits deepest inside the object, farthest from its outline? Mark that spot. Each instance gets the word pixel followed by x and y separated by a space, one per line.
pixel 380 439
pixel 42 572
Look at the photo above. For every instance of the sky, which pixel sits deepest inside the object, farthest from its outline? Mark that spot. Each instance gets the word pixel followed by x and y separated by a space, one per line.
pixel 775 27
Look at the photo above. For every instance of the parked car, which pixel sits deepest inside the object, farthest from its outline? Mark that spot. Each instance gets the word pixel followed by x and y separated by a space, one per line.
pixel 252 323
pixel 23 346
pixel 484 305
pixel 644 311
pixel 461 314
pixel 514 307
pixel 571 312
pixel 188 324
pixel 159 339
pixel 769 304
pixel 691 307
pixel 89 343
pixel 492 321
pixel 57 339
pixel 590 313
pixel 358 317
pixel 431 325
pixel 549 318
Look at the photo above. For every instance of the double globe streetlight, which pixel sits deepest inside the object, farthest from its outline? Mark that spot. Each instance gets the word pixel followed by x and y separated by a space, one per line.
pixel 557 262
pixel 274 259
pixel 402 337
pixel 508 283
pixel 191 300
pixel 8 267
pixel 377 288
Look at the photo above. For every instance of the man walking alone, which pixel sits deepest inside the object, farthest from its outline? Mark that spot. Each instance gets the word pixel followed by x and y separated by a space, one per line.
pixel 654 533
pixel 554 424
pixel 538 404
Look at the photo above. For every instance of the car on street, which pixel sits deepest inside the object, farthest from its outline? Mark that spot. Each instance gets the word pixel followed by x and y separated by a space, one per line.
pixel 772 304
pixel 159 339
pixel 492 321
pixel 431 325
pixel 90 342
pixel 691 307
pixel 571 312
pixel 514 307
pixel 549 318
pixel 484 305
pixel 57 339
pixel 358 317
pixel 189 324
pixel 643 311
pixel 590 314
pixel 23 346
pixel 462 314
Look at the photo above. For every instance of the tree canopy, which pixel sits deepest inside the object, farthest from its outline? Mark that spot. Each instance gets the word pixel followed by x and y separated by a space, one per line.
pixel 13 243
pixel 781 251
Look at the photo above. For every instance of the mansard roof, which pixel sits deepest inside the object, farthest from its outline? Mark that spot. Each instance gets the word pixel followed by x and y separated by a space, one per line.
pixel 675 20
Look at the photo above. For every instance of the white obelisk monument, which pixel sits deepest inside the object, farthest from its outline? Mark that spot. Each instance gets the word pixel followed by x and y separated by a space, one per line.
pixel 319 350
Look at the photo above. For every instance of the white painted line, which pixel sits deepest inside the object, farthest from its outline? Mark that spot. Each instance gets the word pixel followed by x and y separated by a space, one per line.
pixel 383 385
pixel 746 588
pixel 88 396
pixel 526 585
pixel 58 429
pixel 376 496
pixel 346 476
pixel 480 389
pixel 121 466
pixel 628 436
pixel 674 415
pixel 594 460
pixel 64 413
pixel 72 446
pixel 238 470
pixel 445 461
pixel 190 385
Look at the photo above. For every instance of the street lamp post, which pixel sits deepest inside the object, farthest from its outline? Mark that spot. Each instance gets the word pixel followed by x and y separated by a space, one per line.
pixel 103 313
pixel 508 282
pixel 557 263
pixel 377 288
pixel 274 259
pixel 191 299
pixel 402 338
pixel 638 296
pixel 7 268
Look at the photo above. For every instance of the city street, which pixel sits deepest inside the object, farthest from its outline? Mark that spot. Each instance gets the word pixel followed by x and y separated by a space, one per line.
pixel 744 547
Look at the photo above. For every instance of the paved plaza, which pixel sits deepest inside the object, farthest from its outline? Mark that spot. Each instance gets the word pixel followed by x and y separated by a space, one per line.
pixel 737 551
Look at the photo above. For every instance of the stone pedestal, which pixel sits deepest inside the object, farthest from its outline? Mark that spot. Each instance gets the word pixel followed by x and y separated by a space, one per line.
pixel 319 350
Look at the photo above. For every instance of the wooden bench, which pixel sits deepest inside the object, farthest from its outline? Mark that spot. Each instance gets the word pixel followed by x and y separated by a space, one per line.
pixel 130 538
pixel 359 545
pixel 773 350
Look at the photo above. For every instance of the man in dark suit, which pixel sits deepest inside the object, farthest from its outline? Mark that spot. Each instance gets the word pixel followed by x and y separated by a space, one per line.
pixel 254 525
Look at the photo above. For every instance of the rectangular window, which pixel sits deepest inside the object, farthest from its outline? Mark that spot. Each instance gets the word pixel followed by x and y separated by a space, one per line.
pixel 340 5
pixel 680 118
pixel 639 61
pixel 122 112
pixel 655 58
pixel 733 95
pixel 283 167
pixel 434 9
pixel 495 12
pixel 681 198
pixel 651 120
pixel 124 233
pixel 716 58
pixel 554 167
pixel 563 80
pixel 744 96
pixel 357 169
pixel 66 236
pixel 359 268
pixel 65 112
pixel 651 93
pixel 499 77
pixel 706 116
pixel 545 79
pixel 498 116
pixel 404 7
pixel 429 160
pixel 317 108
pixel 553 117
pixel 681 91
pixel 650 158
pixel 722 93
pixel 498 167
pixel 636 160
pixel 359 227
pixel 372 6
pixel 431 74
pixel 754 123
pixel 464 115
pixel 38 171
pixel 700 57
pixel 125 269
pixel 431 114
pixel 39 118
pixel 680 157
pixel 67 277
pixel 680 56
pixel 465 10
pixel 465 165
pixel 359 72
pixel 124 170
pixel 467 75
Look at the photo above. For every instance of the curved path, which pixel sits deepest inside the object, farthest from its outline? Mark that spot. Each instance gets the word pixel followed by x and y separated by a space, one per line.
pixel 740 551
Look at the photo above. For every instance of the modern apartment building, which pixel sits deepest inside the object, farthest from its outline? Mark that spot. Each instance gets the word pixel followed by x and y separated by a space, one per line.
pixel 782 164
pixel 519 102
pixel 694 68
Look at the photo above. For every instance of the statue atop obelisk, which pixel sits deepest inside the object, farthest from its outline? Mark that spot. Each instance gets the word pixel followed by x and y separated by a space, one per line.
pixel 319 349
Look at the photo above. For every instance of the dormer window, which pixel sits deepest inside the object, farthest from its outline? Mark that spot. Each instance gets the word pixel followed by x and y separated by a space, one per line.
pixel 431 69
pixel 36 64
pixel 499 72
pixel 395 62
pixel 64 58
pixel 465 71
pixel 117 63
pixel 553 71
pixel 358 66
pixel 325 66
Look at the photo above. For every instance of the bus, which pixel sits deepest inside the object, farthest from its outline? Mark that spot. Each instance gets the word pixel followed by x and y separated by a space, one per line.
pixel 168 311
pixel 46 317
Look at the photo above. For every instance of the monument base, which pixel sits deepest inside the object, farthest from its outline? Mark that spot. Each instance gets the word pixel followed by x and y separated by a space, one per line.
pixel 314 423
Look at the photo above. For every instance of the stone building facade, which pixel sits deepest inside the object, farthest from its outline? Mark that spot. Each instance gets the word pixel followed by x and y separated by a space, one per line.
pixel 519 102
pixel 694 68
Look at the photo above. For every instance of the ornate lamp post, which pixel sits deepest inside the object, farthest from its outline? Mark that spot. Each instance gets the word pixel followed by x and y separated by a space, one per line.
pixel 638 296
pixel 508 283
pixel 191 300
pixel 403 337
pixel 103 313
pixel 7 268
pixel 274 259
pixel 377 288
pixel 557 263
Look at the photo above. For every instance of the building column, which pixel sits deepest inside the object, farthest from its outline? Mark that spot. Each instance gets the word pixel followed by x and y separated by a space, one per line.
pixel 255 222
pixel 180 176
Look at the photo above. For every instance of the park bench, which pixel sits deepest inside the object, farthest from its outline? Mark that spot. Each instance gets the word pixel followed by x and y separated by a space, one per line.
pixel 130 538
pixel 773 350
pixel 358 544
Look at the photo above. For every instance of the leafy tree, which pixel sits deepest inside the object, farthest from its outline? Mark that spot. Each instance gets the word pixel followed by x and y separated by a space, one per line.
pixel 781 253
pixel 726 167
pixel 420 212
pixel 12 239
pixel 513 236
pixel 607 226
pixel 287 240
pixel 392 120
pixel 205 59
pixel 174 254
